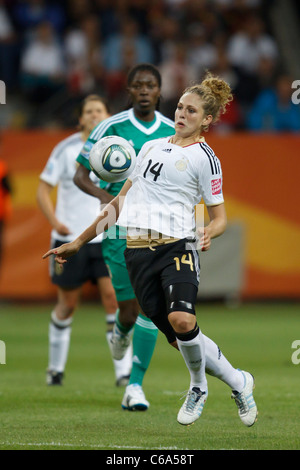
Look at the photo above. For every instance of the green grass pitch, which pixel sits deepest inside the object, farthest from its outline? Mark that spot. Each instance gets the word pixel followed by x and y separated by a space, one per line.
pixel 86 414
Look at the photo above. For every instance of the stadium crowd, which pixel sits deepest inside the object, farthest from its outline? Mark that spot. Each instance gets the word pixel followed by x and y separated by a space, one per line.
pixel 52 54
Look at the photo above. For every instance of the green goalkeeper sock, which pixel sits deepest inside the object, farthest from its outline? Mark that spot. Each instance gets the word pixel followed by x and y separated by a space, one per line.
pixel 143 342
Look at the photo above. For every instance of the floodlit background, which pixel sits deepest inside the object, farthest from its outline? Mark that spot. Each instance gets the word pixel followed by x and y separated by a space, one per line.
pixel 52 54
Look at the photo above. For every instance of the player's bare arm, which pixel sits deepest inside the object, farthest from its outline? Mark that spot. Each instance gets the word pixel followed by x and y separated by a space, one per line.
pixel 83 181
pixel 47 207
pixel 106 219
pixel 216 226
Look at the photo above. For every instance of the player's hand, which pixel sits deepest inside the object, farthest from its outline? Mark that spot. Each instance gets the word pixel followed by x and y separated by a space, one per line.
pixel 63 252
pixel 204 238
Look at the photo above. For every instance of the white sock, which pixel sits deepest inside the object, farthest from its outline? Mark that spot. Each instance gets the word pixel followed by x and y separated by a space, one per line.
pixel 218 366
pixel 59 342
pixel 123 366
pixel 193 352
pixel 110 320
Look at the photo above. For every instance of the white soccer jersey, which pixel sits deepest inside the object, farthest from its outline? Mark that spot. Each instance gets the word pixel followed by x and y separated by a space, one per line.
pixel 74 208
pixel 167 183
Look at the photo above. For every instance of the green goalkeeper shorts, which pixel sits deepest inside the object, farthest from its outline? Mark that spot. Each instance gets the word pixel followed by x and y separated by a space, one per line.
pixel 113 246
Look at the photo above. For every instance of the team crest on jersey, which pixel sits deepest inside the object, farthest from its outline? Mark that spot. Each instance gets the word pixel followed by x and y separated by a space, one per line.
pixel 216 186
pixel 181 165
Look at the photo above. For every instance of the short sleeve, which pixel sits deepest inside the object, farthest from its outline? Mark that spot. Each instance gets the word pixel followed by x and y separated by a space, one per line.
pixel 211 180
pixel 84 155
pixel 54 167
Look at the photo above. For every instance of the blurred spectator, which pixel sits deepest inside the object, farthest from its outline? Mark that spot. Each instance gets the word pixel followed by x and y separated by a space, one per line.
pixel 250 44
pixel 233 119
pixel 76 10
pixel 166 33
pixel 224 70
pixel 42 65
pixel 109 15
pixel 121 52
pixel 177 73
pixel 138 9
pixel 95 42
pixel 267 72
pixel 128 47
pixel 30 13
pixel 84 56
pixel 246 50
pixel 202 54
pixel 274 110
pixel 9 49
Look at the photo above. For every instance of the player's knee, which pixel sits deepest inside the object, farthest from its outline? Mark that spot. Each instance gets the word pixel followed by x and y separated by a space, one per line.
pixel 162 323
pixel 66 309
pixel 182 322
pixel 181 298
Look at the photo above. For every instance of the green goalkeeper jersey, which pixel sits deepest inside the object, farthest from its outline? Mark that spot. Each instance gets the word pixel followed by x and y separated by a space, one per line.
pixel 126 125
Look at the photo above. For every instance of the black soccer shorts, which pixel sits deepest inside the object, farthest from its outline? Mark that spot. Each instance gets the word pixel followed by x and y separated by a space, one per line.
pixel 152 271
pixel 87 265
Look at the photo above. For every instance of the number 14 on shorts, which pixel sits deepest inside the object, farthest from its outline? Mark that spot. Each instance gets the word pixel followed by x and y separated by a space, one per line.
pixel 185 259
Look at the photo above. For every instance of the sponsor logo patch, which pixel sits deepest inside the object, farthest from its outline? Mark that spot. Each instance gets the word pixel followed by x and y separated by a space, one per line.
pixel 216 186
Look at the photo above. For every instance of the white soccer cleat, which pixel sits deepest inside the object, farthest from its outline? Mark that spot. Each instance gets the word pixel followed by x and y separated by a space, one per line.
pixel 119 343
pixel 134 399
pixel 245 402
pixel 192 408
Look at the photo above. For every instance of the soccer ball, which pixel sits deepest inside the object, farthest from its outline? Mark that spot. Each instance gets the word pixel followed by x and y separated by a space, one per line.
pixel 112 159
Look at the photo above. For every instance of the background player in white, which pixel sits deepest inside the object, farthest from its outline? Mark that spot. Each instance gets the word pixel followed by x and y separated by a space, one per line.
pixel 74 209
pixel 164 270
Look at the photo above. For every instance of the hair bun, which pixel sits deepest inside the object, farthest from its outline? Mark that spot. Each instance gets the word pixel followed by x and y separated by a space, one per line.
pixel 220 89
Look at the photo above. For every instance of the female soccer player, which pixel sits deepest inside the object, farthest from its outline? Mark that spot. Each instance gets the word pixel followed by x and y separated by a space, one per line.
pixel 172 175
pixel 86 266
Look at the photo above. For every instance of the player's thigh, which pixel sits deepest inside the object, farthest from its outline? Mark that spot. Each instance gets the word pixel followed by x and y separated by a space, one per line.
pixel 113 252
pixel 70 275
pixel 145 280
pixel 180 264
